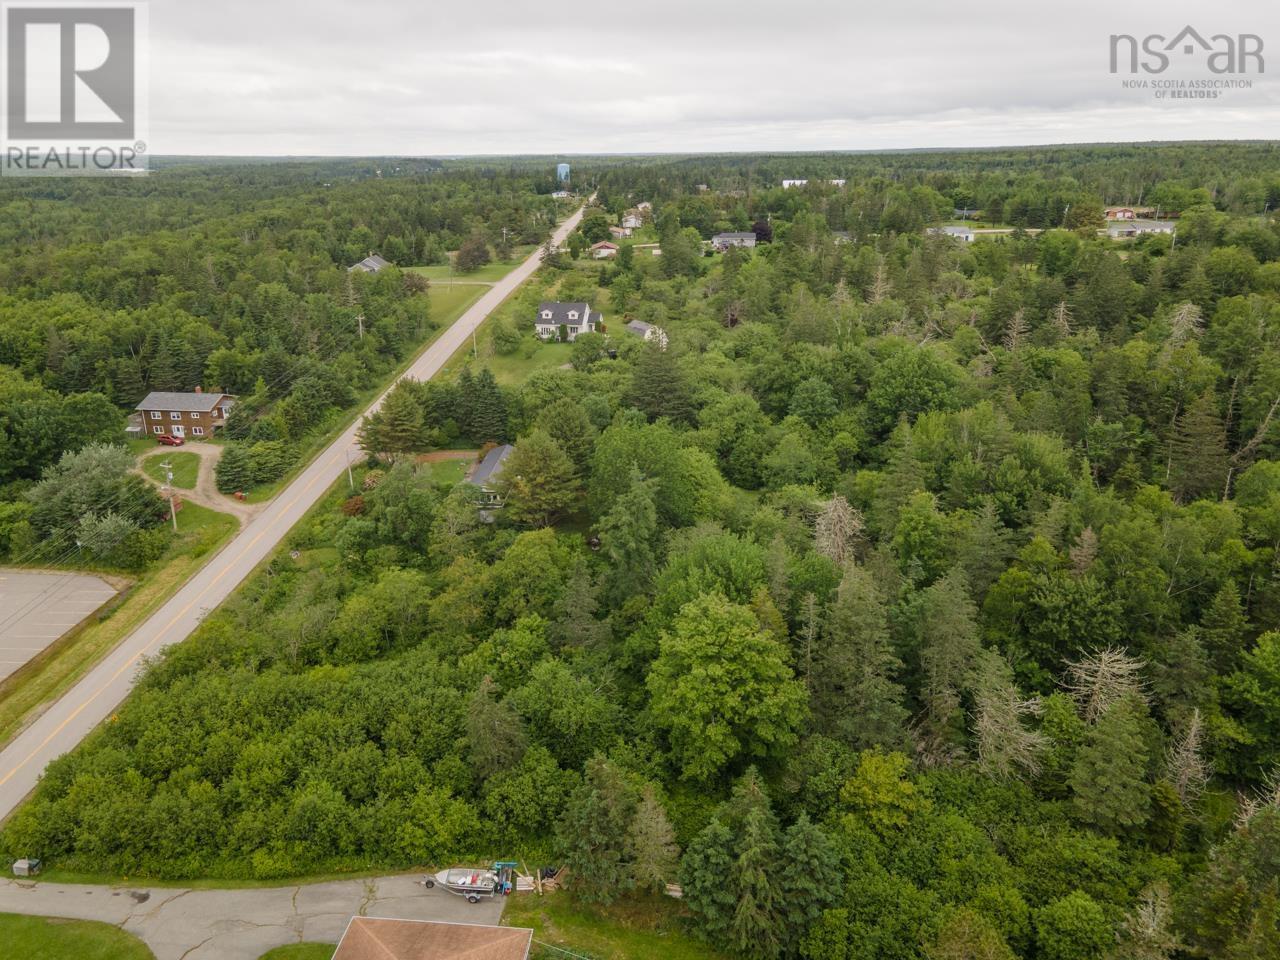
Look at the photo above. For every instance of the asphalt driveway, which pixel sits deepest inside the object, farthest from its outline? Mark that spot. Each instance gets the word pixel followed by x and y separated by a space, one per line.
pixel 183 924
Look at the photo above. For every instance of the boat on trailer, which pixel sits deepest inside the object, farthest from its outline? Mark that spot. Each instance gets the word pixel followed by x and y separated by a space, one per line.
pixel 474 882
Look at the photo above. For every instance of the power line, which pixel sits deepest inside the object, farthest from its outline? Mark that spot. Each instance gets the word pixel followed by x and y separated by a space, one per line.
pixel 568 953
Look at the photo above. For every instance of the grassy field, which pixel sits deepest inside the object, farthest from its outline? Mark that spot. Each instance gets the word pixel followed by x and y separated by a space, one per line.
pixel 186 468
pixel 533 355
pixel 200 532
pixel 449 472
pixel 300 951
pixel 49 938
pixel 440 273
pixel 632 929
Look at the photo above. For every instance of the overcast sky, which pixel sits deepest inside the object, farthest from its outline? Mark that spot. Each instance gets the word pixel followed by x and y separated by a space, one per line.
pixel 516 76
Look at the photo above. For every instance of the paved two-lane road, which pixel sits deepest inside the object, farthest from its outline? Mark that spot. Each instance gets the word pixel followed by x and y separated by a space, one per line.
pixel 96 696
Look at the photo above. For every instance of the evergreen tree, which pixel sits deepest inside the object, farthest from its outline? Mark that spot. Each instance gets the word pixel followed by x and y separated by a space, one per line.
pixel 1224 627
pixel 627 534
pixel 704 878
pixel 575 623
pixel 234 470
pixel 495 732
pixel 1108 779
pixel 758 922
pixel 856 698
pixel 810 864
pixel 659 387
pixel 486 408
pixel 651 845
pixel 395 428
pixel 1261 940
pixel 948 648
pixel 538 481
pixel 1198 451
pixel 594 830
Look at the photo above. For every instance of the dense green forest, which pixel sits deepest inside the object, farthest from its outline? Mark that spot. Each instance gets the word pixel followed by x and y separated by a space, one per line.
pixel 230 278
pixel 920 600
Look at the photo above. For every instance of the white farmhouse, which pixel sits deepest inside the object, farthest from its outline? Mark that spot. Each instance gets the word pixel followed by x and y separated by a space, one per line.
pixel 575 318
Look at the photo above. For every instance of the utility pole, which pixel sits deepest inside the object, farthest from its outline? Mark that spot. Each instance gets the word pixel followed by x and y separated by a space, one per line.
pixel 168 490
pixel 360 324
pixel 350 479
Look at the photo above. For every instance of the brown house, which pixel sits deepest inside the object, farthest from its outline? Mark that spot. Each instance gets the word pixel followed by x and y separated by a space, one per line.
pixel 370 938
pixel 188 415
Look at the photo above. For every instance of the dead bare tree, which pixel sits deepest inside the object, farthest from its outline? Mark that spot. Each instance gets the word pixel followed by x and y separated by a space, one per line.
pixel 880 288
pixel 1145 933
pixel 837 530
pixel 1006 746
pixel 1015 330
pixel 1102 678
pixel 1249 805
pixel 1185 765
pixel 1185 323
pixel 1083 552
pixel 1062 318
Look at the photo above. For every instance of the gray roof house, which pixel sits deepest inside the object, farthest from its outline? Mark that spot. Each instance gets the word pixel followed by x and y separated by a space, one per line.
pixel 576 318
pixel 960 233
pixel 485 476
pixel 723 241
pixel 1133 228
pixel 196 414
pixel 370 264
pixel 647 331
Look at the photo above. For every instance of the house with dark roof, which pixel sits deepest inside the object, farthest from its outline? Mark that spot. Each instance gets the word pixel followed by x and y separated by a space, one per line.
pixel 378 938
pixel 485 474
pixel 195 414
pixel 574 318
pixel 723 241
pixel 370 264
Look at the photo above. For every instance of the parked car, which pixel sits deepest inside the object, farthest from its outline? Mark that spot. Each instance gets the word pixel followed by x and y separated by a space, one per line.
pixel 169 440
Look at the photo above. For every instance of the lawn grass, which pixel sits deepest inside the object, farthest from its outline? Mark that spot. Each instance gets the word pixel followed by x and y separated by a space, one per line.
pixel 450 472
pixel 440 273
pixel 200 532
pixel 301 951
pixel 51 938
pixel 186 468
pixel 635 928
pixel 533 355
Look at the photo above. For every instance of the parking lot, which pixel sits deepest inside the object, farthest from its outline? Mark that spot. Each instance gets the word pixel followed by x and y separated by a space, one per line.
pixel 37 608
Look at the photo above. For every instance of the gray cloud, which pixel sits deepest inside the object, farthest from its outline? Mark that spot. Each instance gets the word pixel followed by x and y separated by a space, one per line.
pixel 508 76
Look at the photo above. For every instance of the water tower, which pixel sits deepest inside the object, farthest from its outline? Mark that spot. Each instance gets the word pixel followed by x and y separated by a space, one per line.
pixel 562 173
